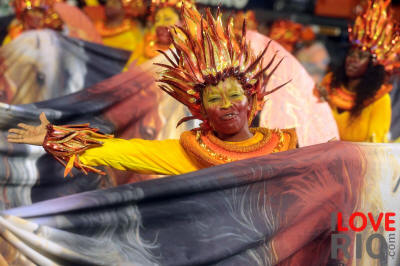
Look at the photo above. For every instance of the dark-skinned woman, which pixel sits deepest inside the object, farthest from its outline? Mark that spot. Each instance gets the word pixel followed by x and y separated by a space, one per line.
pixel 357 91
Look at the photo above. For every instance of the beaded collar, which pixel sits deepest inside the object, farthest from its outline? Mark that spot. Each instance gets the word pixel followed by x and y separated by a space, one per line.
pixel 209 150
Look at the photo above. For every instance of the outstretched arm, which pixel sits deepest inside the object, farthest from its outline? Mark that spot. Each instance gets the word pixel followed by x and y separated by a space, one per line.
pixel 85 148
pixel 65 143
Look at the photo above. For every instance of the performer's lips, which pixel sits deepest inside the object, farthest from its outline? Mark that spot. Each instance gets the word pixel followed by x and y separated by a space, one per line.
pixel 352 68
pixel 229 116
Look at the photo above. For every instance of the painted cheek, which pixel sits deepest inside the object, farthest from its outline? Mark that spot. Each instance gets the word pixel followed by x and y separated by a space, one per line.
pixel 240 101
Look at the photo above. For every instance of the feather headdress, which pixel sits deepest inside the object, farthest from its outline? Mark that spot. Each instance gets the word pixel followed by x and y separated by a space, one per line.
pixel 51 18
pixel 376 31
pixel 134 8
pixel 206 52
pixel 155 5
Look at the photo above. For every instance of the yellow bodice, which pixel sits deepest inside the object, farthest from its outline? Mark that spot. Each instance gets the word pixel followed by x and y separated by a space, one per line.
pixel 372 125
pixel 127 36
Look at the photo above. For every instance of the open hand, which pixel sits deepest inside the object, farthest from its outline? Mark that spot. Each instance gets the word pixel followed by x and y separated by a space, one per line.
pixel 28 134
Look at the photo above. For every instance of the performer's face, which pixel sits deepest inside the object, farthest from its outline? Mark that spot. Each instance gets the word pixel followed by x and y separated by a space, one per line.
pixel 164 18
pixel 357 63
pixel 33 19
pixel 113 8
pixel 226 108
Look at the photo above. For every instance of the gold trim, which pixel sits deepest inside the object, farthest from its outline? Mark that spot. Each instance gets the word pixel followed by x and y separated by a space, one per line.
pixel 232 147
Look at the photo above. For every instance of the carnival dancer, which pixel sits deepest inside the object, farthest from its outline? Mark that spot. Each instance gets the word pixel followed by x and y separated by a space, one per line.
pixel 163 14
pixel 120 28
pixel 56 15
pixel 358 91
pixel 33 15
pixel 217 77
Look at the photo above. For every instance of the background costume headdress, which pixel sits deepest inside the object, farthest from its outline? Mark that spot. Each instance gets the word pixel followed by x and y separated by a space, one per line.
pixel 134 8
pixel 206 52
pixel 249 16
pixel 376 31
pixel 51 18
pixel 155 5
pixel 288 33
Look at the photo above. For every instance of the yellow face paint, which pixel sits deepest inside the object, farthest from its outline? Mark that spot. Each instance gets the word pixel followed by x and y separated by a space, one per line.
pixel 224 94
pixel 165 17
pixel 226 108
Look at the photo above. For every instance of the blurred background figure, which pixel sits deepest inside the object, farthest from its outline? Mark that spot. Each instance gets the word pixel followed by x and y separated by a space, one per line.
pixel 120 27
pixel 163 14
pixel 31 15
pixel 287 33
pixel 251 21
pixel 50 14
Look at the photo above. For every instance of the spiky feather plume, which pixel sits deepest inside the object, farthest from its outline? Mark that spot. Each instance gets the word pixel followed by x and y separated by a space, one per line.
pixel 206 52
pixel 376 31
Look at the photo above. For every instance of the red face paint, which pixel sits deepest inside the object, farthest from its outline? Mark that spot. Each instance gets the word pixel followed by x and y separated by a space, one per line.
pixel 226 107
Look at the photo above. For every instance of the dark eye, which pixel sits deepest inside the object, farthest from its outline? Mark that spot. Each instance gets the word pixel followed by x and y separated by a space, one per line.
pixel 213 100
pixel 40 78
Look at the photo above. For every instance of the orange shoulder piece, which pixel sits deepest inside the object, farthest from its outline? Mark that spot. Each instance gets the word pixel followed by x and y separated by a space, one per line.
pixel 291 140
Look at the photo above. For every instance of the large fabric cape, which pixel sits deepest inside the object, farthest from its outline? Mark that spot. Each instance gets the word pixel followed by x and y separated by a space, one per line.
pixel 269 210
pixel 44 64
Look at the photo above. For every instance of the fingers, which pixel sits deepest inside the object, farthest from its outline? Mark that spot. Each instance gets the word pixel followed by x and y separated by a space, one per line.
pixel 24 126
pixel 15 140
pixel 14 137
pixel 17 131
pixel 43 119
pixel 15 134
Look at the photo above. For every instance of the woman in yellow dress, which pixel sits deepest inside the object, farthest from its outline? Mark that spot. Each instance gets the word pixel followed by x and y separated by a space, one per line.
pixel 217 77
pixel 163 14
pixel 120 29
pixel 357 92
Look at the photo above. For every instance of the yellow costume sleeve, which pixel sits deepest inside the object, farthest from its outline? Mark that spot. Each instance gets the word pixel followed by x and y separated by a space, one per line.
pixel 6 40
pixel 126 36
pixel 380 118
pixel 165 157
